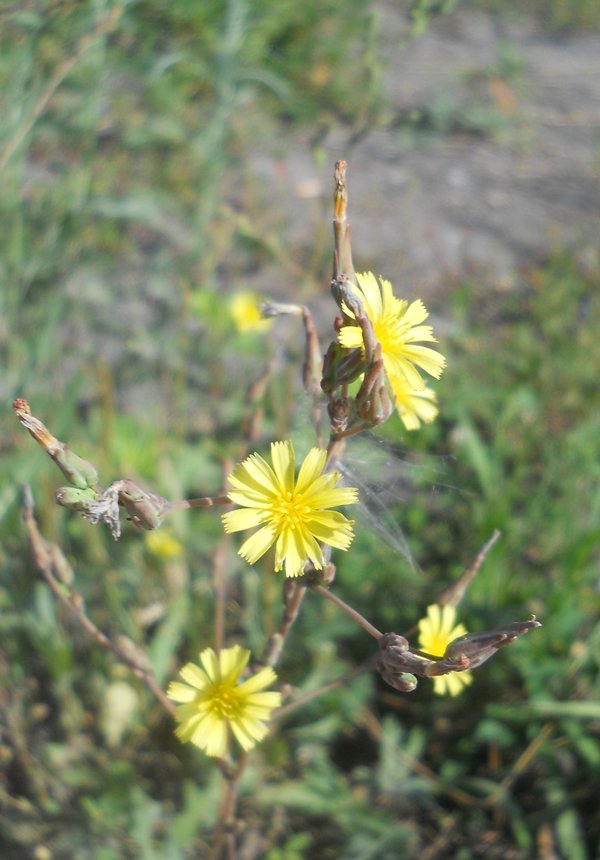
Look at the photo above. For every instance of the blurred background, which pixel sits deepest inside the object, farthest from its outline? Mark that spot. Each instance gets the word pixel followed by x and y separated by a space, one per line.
pixel 158 162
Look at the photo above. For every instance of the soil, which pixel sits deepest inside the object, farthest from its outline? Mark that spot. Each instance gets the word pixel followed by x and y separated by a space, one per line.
pixel 490 157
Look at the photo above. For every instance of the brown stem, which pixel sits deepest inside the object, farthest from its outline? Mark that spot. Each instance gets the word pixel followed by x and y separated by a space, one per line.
pixel 335 450
pixel 73 601
pixel 226 815
pixel 205 502
pixel 293 597
pixel 294 594
pixel 312 370
pixel 350 612
pixel 315 694
pixel 342 255
pixel 219 578
pixel 453 595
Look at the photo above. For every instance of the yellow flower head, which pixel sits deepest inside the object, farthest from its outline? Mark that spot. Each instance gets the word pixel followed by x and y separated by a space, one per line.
pixel 163 544
pixel 414 405
pixel 398 328
pixel 212 701
pixel 436 632
pixel 293 512
pixel 244 308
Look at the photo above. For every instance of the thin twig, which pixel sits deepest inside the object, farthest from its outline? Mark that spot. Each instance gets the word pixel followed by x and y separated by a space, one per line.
pixel 453 595
pixel 350 612
pixel 219 578
pixel 527 756
pixel 312 370
pixel 293 597
pixel 74 602
pixel 326 688
pixel 227 808
pixel 204 502
pixel 342 255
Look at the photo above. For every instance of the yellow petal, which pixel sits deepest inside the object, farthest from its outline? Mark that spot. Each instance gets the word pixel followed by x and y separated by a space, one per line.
pixel 181 692
pixel 211 736
pixel 194 675
pixel 256 475
pixel 209 660
pixel 282 455
pixel 232 662
pixel 311 469
pixel 323 499
pixel 371 295
pixel 259 681
pixel 350 337
pixel 242 519
pixel 257 544
pixel 288 549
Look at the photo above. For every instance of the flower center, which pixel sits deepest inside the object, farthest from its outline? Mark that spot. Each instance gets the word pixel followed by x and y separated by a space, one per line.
pixel 386 333
pixel 290 511
pixel 223 701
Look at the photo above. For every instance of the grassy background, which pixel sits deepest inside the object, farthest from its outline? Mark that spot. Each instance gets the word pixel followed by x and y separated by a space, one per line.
pixel 128 216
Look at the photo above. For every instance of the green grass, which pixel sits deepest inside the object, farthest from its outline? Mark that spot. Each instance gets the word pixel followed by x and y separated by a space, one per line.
pixel 129 216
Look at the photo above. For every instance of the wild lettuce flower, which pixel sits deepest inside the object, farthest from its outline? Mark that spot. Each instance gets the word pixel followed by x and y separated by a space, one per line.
pixel 213 702
pixel 163 544
pixel 436 632
pixel 245 311
pixel 293 513
pixel 398 328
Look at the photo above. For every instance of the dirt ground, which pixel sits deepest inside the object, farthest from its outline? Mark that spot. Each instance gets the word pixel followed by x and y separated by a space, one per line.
pixel 490 158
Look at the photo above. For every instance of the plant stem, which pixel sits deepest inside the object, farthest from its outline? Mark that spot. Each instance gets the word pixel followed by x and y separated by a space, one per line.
pixel 293 597
pixel 350 612
pixel 314 694
pixel 204 502
pixel 73 601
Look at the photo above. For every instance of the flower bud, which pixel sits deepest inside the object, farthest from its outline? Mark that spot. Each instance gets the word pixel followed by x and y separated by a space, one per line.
pixel 74 498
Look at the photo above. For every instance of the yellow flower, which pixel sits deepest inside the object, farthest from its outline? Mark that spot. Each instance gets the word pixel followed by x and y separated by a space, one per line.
pixel 413 405
pixel 436 632
pixel 163 545
pixel 213 702
pixel 292 513
pixel 244 308
pixel 398 327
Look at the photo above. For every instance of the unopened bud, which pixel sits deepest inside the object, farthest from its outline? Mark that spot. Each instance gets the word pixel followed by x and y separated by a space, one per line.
pixel 145 510
pixel 78 472
pixel 341 367
pixel 479 647
pixel 346 297
pixel 75 499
